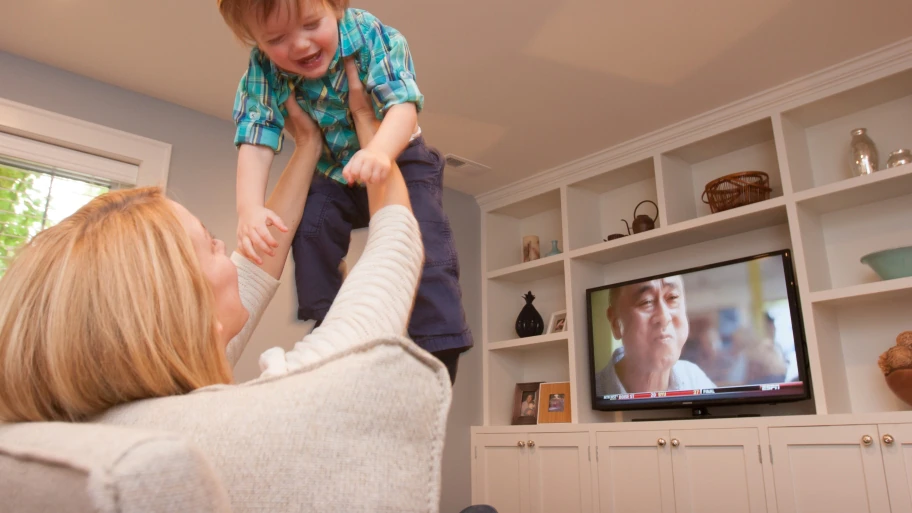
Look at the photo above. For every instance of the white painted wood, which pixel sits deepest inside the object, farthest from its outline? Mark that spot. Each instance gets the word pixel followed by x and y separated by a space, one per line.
pixel 677 180
pixel 860 190
pixel 556 339
pixel 852 233
pixel 545 267
pixel 583 275
pixel 827 469
pixel 507 367
pixel 761 424
pixel 785 172
pixel 830 376
pixel 718 470
pixel 68 160
pixel 634 472
pixel 866 329
pixel 559 475
pixel 897 458
pixel 799 260
pixel 827 83
pixel 502 472
pixel 878 290
pixel 752 217
pixel 828 143
pixel 153 158
pixel 506 301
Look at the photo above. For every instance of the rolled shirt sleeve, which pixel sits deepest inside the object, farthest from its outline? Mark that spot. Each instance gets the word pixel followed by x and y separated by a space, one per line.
pixel 258 106
pixel 391 72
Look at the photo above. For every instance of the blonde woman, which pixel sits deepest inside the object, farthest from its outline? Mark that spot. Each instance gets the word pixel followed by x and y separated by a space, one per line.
pixel 131 297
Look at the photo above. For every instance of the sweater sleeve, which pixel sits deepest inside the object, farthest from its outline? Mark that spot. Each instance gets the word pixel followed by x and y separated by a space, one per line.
pixel 256 288
pixel 375 300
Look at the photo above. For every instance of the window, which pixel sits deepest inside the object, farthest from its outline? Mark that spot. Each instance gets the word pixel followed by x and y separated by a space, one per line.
pixel 34 197
pixel 51 165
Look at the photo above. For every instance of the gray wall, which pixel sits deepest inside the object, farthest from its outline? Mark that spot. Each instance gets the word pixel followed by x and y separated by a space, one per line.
pixel 203 162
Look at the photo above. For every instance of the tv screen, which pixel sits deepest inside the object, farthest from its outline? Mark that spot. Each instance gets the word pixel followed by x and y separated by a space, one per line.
pixel 729 332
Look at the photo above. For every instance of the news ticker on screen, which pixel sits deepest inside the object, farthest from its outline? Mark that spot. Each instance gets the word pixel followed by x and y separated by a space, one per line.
pixel 767 389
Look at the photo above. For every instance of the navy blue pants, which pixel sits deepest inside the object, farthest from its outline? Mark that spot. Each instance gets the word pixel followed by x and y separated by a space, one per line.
pixel 333 210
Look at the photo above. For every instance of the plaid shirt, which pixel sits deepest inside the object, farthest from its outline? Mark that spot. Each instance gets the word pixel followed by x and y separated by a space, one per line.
pixel 386 70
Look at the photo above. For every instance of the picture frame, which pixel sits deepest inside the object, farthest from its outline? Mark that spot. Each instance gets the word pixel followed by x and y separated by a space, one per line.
pixel 555 403
pixel 558 322
pixel 525 403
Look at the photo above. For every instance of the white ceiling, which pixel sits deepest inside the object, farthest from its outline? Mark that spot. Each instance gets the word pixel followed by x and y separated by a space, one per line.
pixel 520 86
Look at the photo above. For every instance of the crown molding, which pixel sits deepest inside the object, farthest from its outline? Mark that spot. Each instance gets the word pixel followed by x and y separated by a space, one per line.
pixel 866 68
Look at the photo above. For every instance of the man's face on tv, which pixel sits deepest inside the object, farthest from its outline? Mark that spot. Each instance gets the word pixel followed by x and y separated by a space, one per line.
pixel 650 318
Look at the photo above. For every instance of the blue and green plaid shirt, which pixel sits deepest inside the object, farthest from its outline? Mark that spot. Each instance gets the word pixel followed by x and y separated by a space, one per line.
pixel 386 70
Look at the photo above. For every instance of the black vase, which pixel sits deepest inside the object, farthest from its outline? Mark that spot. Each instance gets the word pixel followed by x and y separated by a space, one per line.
pixel 529 323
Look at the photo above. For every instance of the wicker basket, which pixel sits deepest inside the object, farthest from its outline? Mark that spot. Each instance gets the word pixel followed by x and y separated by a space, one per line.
pixel 736 190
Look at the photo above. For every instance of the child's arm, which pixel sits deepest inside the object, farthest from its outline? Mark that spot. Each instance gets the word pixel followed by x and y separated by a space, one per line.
pixel 253 217
pixel 390 81
pixel 259 122
pixel 372 163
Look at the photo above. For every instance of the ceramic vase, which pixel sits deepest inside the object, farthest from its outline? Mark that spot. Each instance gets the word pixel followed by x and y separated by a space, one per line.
pixel 529 323
pixel 864 153
pixel 530 250
pixel 554 249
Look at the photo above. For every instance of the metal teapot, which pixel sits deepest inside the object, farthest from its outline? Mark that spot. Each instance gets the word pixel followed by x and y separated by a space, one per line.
pixel 642 223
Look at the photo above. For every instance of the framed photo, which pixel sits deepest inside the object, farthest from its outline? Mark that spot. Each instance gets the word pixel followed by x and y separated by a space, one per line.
pixel 558 322
pixel 525 403
pixel 556 405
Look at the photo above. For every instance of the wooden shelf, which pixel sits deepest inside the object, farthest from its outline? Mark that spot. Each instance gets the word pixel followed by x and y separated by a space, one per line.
pixel 878 290
pixel 549 339
pixel 546 267
pixel 859 190
pixel 722 224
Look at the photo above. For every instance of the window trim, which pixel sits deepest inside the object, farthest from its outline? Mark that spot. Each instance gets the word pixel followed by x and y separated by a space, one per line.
pixel 153 158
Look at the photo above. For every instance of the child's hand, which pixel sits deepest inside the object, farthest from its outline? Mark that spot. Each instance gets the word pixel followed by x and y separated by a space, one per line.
pixel 367 166
pixel 252 232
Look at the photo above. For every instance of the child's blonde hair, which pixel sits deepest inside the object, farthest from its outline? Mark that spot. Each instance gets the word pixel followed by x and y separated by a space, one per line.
pixel 240 14
pixel 107 307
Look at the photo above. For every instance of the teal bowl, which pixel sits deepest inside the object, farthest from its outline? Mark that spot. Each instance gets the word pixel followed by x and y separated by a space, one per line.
pixel 890 264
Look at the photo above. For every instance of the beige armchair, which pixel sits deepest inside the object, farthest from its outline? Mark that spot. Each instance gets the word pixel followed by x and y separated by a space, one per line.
pixel 360 430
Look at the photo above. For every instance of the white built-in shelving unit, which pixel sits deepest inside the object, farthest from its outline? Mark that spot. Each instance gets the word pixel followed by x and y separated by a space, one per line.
pixel 799 134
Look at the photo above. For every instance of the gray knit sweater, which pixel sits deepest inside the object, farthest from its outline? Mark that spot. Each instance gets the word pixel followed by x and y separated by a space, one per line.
pixel 375 300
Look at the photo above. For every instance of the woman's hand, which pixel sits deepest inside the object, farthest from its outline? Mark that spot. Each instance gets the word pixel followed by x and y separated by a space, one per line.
pixel 303 129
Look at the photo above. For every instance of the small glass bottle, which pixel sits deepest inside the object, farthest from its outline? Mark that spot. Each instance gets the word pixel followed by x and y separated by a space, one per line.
pixel 864 153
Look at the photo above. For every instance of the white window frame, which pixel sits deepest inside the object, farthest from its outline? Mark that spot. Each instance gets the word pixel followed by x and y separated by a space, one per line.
pixel 151 157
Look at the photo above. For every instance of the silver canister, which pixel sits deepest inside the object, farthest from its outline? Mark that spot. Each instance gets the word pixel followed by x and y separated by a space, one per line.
pixel 899 158
pixel 864 153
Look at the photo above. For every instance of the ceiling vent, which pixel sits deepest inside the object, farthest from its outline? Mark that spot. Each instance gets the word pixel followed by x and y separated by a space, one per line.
pixel 465 166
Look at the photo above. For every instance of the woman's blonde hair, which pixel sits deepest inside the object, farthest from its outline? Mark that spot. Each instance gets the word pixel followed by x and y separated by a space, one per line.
pixel 108 306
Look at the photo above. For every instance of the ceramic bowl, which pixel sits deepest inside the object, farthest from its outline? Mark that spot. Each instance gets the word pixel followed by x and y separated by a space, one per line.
pixel 890 264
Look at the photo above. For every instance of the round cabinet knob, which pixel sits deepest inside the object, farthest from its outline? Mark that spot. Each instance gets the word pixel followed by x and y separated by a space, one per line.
pixel 520 444
pixel 888 439
pixel 867 440
pixel 661 442
pixel 675 442
pixel 531 443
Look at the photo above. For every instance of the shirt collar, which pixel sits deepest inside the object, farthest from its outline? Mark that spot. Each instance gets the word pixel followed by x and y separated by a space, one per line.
pixel 350 39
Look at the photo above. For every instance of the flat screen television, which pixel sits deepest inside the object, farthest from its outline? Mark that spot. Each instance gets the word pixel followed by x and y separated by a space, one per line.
pixel 725 333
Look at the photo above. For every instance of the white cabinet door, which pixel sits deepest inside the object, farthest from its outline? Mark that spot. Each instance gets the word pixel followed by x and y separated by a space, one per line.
pixel 634 472
pixel 559 473
pixel 502 473
pixel 828 469
pixel 896 446
pixel 718 470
